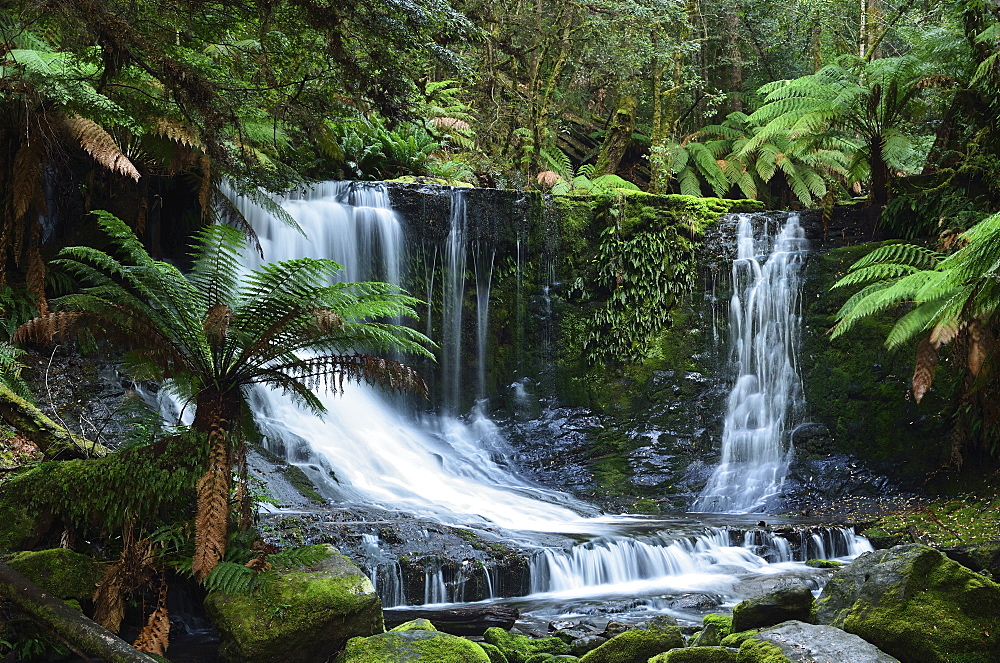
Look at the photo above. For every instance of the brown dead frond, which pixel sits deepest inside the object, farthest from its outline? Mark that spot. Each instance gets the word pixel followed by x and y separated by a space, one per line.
pixel 205 190
pixel 134 569
pixel 217 324
pixel 154 636
pixel 937 80
pixel 548 178
pixel 178 133
pixel 212 515
pixel 980 345
pixel 945 332
pixel 26 187
pixel 327 321
pixel 923 371
pixel 451 124
pixel 45 328
pixel 99 144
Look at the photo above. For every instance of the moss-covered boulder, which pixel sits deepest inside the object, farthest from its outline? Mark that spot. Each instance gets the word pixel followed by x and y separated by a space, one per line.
pixel 411 646
pixel 639 644
pixel 696 655
pixel 716 627
pixel 519 648
pixel 494 653
pixel 792 602
pixel 60 572
pixel 302 615
pixel 798 642
pixel 824 563
pixel 917 605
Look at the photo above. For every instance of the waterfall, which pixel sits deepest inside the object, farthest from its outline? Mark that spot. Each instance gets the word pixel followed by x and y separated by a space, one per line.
pixel 368 449
pixel 764 320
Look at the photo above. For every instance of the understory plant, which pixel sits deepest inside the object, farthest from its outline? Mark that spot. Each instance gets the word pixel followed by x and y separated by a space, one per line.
pixel 219 331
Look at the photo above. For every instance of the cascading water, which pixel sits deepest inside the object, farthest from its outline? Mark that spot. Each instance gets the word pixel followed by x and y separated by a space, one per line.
pixel 368 449
pixel 764 321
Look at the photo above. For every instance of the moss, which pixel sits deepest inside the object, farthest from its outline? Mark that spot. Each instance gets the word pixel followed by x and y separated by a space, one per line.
pixel 552 658
pixel 518 648
pixel 758 651
pixel 738 638
pixel 723 622
pixel 636 645
pixel 939 612
pixel 417 646
pixel 441 181
pixel 824 563
pixel 494 653
pixel 61 572
pixel 298 616
pixel 18 527
pixel 416 625
pixel 958 521
pixel 300 482
pixel 696 655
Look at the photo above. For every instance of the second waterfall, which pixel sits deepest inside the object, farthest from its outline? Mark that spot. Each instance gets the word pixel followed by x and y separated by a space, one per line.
pixel 764 322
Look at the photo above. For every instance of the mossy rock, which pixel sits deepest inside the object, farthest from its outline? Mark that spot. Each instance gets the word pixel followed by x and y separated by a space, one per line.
pixel 824 563
pixel 716 628
pixel 696 655
pixel 302 615
pixel 800 642
pixel 552 658
pixel 18 528
pixel 519 648
pixel 494 653
pixel 416 625
pixel 916 604
pixel 737 639
pixel 60 572
pixel 639 644
pixel 414 646
pixel 792 602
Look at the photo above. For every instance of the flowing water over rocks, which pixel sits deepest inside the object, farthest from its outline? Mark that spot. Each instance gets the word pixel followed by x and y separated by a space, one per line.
pixel 444 507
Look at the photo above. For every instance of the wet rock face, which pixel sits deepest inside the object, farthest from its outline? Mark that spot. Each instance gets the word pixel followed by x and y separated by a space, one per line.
pixel 917 605
pixel 793 602
pixel 799 642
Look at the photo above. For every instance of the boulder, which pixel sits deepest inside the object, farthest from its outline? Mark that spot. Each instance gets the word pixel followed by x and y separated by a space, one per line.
pixel 792 602
pixel 412 645
pixel 303 615
pixel 799 642
pixel 519 648
pixel 716 627
pixel 696 655
pixel 494 653
pixel 60 572
pixel 916 604
pixel 638 644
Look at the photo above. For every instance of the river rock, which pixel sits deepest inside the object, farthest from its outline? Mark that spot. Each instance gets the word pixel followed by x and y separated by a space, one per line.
pixel 799 642
pixel 302 615
pixel 697 655
pixel 917 605
pixel 792 602
pixel 519 648
pixel 639 644
pixel 414 642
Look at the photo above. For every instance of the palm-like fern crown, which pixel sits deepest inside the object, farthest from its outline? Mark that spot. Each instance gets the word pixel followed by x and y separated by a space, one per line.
pixel 947 293
pixel 222 328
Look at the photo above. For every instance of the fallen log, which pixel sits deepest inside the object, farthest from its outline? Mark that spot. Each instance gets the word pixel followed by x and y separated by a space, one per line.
pixel 74 627
pixel 457 620
pixel 54 441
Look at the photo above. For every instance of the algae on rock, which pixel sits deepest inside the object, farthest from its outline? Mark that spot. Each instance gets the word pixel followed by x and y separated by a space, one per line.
pixel 301 615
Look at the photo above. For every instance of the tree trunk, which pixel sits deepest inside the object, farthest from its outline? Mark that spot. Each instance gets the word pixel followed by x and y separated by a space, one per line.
pixel 619 135
pixel 75 628
pixel 54 441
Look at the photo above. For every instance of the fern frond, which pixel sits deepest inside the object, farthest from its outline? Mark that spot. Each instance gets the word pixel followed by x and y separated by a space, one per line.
pixel 99 144
pixel 212 517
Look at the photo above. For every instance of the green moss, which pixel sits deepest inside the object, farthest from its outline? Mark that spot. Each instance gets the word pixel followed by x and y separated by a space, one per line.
pixel 824 563
pixel 299 614
pixel 417 646
pixel 18 527
pixel 959 521
pixel 737 639
pixel 416 625
pixel 300 482
pixel 636 645
pixel 518 648
pixel 494 652
pixel 441 181
pixel 552 658
pixel 61 572
pixel 696 655
pixel 758 651
pixel 723 622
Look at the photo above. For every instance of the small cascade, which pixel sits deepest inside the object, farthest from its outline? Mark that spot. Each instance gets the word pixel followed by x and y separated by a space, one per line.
pixel 484 258
pixel 764 322
pixel 710 561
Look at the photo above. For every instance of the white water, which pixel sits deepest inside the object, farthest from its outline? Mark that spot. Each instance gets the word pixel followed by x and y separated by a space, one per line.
pixel 764 324
pixel 437 466
pixel 369 449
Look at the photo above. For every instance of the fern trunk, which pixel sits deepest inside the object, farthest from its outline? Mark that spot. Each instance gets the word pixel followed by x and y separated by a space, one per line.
pixel 215 414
